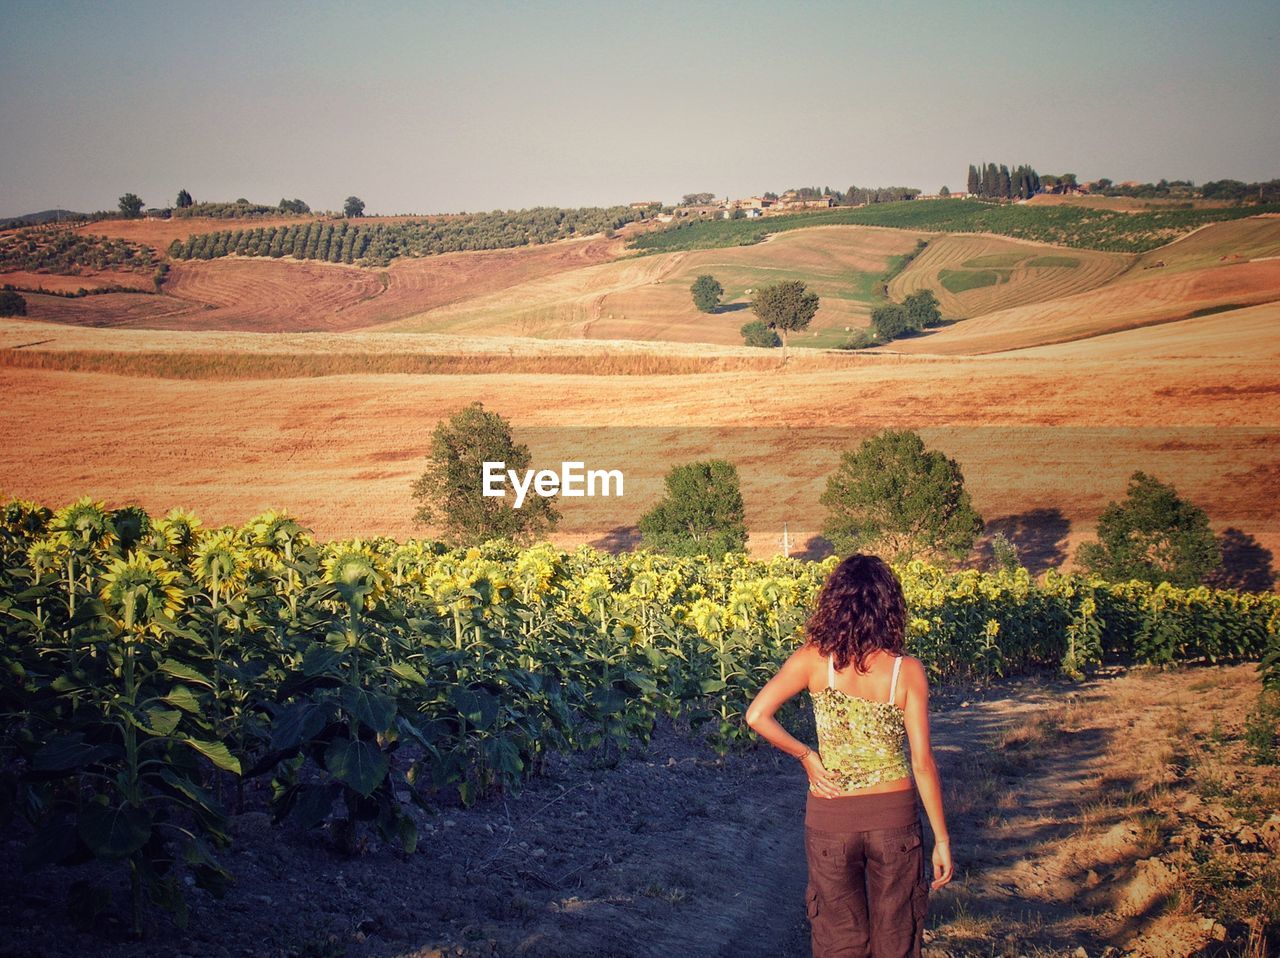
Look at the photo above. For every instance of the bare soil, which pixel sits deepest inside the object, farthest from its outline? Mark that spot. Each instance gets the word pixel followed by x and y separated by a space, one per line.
pixel 1077 813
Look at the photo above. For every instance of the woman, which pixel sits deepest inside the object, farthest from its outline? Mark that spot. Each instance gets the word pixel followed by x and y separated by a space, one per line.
pixel 866 893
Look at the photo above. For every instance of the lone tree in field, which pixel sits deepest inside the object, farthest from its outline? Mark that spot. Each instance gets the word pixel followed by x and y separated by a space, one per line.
pixel 702 513
pixel 184 200
pixel 452 488
pixel 1153 535
pixel 787 307
pixel 706 293
pixel 354 206
pixel 893 497
pixel 12 303
pixel 131 206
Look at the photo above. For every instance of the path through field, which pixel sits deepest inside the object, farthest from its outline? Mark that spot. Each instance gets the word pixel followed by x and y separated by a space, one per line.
pixel 1078 814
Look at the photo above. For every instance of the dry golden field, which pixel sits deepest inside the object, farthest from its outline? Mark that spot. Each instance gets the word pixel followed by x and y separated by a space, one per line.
pixel 1123 203
pixel 1049 401
pixel 1023 272
pixel 648 297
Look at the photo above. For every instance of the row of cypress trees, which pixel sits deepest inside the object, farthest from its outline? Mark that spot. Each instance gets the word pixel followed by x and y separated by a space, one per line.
pixel 998 182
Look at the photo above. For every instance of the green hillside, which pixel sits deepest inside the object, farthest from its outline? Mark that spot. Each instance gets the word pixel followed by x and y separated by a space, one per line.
pixel 1110 230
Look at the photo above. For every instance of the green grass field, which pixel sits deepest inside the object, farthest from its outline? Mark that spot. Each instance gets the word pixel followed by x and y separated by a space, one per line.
pixel 960 280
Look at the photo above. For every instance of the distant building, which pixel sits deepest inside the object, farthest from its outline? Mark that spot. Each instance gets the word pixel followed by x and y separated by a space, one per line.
pixel 794 204
pixel 701 210
pixel 645 204
pixel 753 212
pixel 665 217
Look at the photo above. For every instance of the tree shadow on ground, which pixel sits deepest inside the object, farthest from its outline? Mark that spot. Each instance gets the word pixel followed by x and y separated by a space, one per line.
pixel 732 307
pixel 618 539
pixel 1246 564
pixel 1039 535
pixel 814 548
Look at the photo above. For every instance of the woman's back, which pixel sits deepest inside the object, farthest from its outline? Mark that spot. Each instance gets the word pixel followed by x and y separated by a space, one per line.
pixel 874 684
pixel 860 725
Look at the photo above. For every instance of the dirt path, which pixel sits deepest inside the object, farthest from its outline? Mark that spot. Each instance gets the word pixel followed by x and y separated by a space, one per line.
pixel 1067 804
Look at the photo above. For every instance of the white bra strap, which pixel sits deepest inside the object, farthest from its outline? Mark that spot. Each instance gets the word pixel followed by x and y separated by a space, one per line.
pixel 893 686
pixel 831 672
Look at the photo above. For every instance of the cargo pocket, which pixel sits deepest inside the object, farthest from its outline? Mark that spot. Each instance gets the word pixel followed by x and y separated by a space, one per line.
pixel 901 841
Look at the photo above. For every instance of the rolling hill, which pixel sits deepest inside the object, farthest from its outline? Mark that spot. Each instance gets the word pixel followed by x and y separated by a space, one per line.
pixel 318 384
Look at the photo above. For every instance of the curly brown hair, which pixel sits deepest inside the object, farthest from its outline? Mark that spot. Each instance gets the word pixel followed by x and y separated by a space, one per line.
pixel 861 608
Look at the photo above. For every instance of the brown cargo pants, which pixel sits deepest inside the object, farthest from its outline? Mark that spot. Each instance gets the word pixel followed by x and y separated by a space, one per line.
pixel 867 894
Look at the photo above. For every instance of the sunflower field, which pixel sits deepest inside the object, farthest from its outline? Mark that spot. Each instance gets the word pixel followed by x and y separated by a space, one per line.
pixel 152 668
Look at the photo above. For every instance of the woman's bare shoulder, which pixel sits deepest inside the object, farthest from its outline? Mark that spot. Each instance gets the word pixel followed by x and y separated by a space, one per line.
pixel 913 669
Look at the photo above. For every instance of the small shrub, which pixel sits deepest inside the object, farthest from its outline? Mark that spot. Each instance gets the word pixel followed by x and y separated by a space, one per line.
pixel 860 339
pixel 12 303
pixel 757 333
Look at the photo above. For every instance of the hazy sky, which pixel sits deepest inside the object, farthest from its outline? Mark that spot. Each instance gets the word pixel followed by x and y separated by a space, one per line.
pixel 434 107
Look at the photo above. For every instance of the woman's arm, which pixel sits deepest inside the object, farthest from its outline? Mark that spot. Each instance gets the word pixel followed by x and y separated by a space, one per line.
pixel 923 767
pixel 790 680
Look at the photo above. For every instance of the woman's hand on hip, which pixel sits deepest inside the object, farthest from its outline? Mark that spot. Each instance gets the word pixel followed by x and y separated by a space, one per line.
pixel 820 781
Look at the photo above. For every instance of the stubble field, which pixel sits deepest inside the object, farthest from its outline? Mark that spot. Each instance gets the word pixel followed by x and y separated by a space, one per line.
pixel 330 414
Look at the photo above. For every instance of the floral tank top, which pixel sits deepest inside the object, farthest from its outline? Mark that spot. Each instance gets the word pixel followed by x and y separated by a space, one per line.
pixel 860 741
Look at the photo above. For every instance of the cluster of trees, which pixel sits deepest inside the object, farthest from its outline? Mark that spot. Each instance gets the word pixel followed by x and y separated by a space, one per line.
pixel 891 495
pixel 1235 191
pixel 919 311
pixel 131 207
pixel 781 308
pixel 65 252
pixel 378 244
pixel 239 209
pixel 999 182
pixel 1164 189
pixel 863 196
pixel 1268 192
pixel 854 195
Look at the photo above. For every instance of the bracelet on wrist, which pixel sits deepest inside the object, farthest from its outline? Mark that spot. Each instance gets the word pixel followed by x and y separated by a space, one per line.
pixel 803 755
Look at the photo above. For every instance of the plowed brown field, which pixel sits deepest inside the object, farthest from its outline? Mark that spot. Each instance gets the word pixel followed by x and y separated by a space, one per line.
pixel 89 279
pixel 282 295
pixel 160 233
